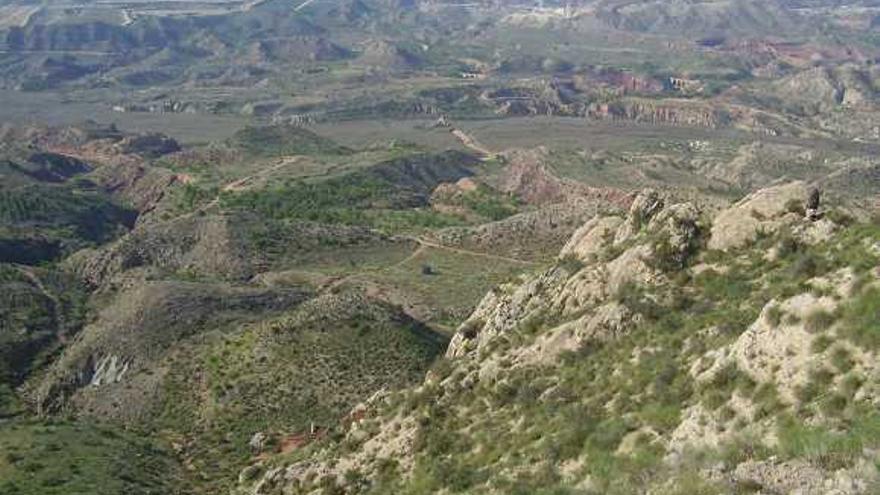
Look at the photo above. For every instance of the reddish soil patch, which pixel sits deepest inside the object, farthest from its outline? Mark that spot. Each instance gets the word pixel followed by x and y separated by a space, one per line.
pixel 290 443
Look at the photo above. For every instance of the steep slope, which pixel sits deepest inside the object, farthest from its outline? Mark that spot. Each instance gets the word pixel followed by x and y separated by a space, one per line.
pixel 643 361
pixel 39 310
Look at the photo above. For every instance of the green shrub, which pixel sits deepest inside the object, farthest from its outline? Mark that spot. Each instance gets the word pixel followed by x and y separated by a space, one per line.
pixel 665 257
pixel 821 343
pixel 634 297
pixel 833 405
pixel 851 384
pixel 795 205
pixel 840 217
pixel 570 264
pixel 774 315
pixel 806 265
pixel 829 449
pixel 732 285
pixel 190 196
pixel 490 204
pixel 690 484
pixel 278 140
pixel 743 448
pixel 817 384
pixel 819 321
pixel 729 379
pixel 842 359
pixel 766 400
pixel 861 319
pixel 850 250
pixel 788 244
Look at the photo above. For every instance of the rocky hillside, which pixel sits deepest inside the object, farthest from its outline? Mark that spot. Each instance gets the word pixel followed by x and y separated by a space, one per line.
pixel 665 351
pixel 708 17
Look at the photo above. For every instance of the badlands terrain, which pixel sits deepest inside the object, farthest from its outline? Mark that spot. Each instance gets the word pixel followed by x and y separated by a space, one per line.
pixel 420 246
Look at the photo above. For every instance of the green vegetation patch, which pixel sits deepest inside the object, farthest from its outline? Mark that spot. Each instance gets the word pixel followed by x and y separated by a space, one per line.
pixel 488 203
pixel 390 195
pixel 60 458
pixel 829 448
pixel 37 214
pixel 861 319
pixel 280 140
pixel 90 215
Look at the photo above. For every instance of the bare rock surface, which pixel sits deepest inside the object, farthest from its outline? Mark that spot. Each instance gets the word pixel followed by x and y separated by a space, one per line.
pixel 763 211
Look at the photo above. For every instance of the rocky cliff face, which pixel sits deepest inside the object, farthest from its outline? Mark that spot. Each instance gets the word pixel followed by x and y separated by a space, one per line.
pixel 529 177
pixel 670 112
pixel 664 352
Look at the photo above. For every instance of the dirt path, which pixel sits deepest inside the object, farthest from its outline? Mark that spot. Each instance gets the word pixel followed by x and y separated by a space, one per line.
pixel 241 184
pixel 238 185
pixel 426 243
pixel 415 254
pixel 471 143
pixel 389 294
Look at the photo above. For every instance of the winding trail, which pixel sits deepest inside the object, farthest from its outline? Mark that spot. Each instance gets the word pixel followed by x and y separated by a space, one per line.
pixel 471 143
pixel 235 186
pixel 415 254
pixel 241 184
pixel 424 243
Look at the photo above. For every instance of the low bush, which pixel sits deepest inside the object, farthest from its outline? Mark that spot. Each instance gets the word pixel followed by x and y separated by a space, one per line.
pixel 819 321
pixel 861 319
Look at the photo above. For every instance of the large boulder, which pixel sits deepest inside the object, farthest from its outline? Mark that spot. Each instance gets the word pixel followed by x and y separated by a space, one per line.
pixel 764 211
pixel 643 208
pixel 589 240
